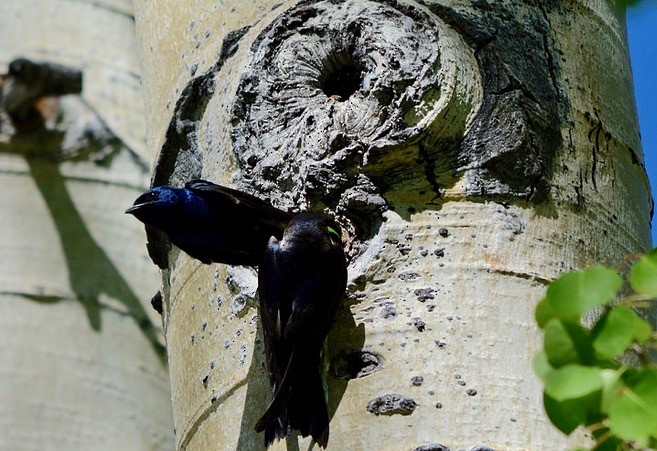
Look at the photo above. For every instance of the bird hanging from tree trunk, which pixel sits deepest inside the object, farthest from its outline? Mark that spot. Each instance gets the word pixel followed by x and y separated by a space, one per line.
pixel 301 284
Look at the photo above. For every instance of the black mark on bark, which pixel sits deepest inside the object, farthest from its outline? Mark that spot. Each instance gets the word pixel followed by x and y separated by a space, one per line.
pixel 509 150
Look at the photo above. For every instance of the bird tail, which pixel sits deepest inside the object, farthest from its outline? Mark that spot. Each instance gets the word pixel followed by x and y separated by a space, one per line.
pixel 277 429
pixel 298 403
pixel 275 421
pixel 306 408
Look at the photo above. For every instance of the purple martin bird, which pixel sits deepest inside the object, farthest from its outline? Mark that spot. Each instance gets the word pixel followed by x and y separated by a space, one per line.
pixel 212 223
pixel 301 283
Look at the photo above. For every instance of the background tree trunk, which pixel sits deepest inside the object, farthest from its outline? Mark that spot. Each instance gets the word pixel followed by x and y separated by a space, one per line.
pixel 473 151
pixel 81 352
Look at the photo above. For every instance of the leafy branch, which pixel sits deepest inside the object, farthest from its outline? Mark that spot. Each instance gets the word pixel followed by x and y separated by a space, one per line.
pixel 588 380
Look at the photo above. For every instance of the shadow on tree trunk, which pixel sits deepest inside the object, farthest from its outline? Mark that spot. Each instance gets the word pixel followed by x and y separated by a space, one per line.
pixel 91 272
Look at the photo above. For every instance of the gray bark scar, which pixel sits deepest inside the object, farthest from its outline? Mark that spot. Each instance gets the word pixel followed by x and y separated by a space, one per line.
pixel 392 404
pixel 508 152
pixel 328 114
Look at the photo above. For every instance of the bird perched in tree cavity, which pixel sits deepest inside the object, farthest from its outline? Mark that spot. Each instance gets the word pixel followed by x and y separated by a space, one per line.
pixel 212 223
pixel 301 283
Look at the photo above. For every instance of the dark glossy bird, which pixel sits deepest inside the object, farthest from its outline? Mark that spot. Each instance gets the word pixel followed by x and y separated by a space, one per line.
pixel 212 223
pixel 301 283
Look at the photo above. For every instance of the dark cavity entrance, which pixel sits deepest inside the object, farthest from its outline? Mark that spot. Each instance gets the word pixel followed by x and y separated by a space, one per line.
pixel 342 81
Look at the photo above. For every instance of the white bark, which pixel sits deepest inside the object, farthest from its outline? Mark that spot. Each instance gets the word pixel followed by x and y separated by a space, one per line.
pixel 549 177
pixel 81 348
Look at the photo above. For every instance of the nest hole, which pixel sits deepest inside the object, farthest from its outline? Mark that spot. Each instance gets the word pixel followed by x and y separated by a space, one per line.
pixel 342 81
pixel 355 364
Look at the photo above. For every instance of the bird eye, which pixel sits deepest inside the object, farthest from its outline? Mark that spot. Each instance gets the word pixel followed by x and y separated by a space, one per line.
pixel 147 197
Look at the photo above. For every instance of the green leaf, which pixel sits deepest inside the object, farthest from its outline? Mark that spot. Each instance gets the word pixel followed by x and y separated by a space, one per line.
pixel 652 443
pixel 572 294
pixel 559 347
pixel 618 329
pixel 612 385
pixel 544 313
pixel 567 343
pixel 643 276
pixel 573 381
pixel 542 365
pixel 614 332
pixel 633 415
pixel 642 330
pixel 566 415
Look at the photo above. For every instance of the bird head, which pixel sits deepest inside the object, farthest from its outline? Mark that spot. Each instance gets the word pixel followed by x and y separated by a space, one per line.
pixel 313 231
pixel 157 207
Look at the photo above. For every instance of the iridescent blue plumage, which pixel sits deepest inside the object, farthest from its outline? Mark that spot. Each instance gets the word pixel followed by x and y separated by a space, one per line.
pixel 301 281
pixel 212 223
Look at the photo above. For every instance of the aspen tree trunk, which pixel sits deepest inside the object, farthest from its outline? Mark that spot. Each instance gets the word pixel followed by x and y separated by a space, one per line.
pixel 81 350
pixel 472 150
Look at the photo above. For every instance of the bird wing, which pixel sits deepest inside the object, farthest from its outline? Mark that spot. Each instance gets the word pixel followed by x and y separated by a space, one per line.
pixel 273 290
pixel 246 203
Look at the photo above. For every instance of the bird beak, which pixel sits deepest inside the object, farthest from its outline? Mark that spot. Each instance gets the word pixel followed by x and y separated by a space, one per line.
pixel 133 209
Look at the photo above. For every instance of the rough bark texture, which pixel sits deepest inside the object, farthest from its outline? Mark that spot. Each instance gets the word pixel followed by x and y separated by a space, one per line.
pixel 82 356
pixel 472 150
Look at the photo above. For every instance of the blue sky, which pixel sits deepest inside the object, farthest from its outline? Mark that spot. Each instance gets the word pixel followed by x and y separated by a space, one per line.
pixel 641 30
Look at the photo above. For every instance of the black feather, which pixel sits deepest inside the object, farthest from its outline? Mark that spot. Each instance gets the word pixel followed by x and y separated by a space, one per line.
pixel 301 284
